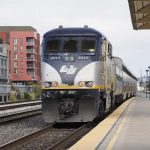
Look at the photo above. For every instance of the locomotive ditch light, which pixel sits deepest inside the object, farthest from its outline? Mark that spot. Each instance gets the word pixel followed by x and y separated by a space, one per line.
pixel 89 84
pixel 85 83
pixel 54 84
pixel 81 83
pixel 46 84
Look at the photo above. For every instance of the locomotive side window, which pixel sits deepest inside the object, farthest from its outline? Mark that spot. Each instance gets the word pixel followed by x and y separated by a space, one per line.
pixel 53 45
pixel 70 45
pixel 88 45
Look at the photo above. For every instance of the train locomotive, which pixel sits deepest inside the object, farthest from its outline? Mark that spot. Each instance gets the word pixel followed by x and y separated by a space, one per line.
pixel 81 79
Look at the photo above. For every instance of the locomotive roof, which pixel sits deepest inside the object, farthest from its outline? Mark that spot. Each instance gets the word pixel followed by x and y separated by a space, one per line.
pixel 125 68
pixel 128 72
pixel 73 31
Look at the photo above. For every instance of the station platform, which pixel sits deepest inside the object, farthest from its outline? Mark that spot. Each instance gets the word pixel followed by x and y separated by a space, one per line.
pixel 127 128
pixel 12 111
pixel 18 104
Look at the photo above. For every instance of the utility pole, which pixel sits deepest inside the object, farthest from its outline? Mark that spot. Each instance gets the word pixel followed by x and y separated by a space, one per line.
pixel 149 82
pixel 146 81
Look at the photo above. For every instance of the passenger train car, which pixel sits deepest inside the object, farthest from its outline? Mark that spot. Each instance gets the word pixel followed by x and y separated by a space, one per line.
pixel 80 77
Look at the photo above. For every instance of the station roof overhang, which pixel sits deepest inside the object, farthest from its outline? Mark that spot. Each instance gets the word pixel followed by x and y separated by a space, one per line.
pixel 140 13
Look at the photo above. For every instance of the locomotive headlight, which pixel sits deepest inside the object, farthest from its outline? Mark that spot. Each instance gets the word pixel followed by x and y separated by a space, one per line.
pixel 54 84
pixel 89 84
pixel 81 83
pixel 46 84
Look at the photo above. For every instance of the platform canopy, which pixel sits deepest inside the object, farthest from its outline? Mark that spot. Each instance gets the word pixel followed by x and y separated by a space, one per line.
pixel 140 13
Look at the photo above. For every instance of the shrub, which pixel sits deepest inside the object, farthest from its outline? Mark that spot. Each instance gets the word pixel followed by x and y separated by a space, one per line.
pixel 12 97
pixel 27 96
pixel 37 90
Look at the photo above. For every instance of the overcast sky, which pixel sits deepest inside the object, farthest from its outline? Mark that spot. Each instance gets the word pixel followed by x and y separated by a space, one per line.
pixel 112 17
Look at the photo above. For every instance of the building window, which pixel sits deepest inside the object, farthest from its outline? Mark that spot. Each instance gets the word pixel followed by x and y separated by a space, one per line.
pixel 1 62
pixel 2 70
pixel 1 98
pixel 15 56
pixel 4 63
pixel 5 72
pixel 15 64
pixel 15 71
pixel 21 48
pixel 1 49
pixel 1 41
pixel 15 48
pixel 21 64
pixel 21 71
pixel 21 41
pixel 15 41
pixel 21 57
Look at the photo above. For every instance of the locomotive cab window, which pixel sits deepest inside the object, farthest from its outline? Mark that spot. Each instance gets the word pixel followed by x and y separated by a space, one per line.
pixel 53 45
pixel 70 45
pixel 88 45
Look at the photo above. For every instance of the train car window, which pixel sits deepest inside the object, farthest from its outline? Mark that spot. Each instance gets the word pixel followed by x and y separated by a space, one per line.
pixel 53 45
pixel 110 50
pixel 88 45
pixel 70 45
pixel 1 41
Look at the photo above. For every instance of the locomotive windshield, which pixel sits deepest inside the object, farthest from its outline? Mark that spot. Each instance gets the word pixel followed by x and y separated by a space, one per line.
pixel 71 44
pixel 88 45
pixel 53 45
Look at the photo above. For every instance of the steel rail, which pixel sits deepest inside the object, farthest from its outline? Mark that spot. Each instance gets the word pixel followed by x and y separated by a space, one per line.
pixel 73 137
pixel 18 105
pixel 21 115
pixel 17 102
pixel 21 141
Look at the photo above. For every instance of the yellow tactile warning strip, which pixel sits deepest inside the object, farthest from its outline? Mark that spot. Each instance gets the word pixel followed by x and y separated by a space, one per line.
pixel 91 140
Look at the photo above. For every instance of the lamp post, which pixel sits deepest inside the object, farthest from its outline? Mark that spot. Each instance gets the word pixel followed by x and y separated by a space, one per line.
pixel 146 81
pixel 149 82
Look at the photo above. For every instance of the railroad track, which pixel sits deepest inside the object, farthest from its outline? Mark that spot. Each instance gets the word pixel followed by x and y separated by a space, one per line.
pixel 6 106
pixel 71 139
pixel 18 101
pixel 48 138
pixel 19 110
pixel 19 115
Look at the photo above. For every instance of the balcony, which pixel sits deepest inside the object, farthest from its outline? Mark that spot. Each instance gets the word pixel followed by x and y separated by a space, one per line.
pixel 3 49
pixel 30 59
pixel 30 43
pixel 5 78
pixel 30 50
pixel 31 66
pixel 5 89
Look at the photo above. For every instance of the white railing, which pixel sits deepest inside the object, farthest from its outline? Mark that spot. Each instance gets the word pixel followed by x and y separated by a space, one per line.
pixel 4 89
pixel 30 43
pixel 24 88
pixel 30 51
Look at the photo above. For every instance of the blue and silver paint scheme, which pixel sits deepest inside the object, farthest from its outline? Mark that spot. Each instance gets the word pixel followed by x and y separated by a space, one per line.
pixel 71 79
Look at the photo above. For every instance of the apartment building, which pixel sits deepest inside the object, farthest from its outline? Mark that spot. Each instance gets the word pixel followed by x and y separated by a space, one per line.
pixel 25 59
pixel 4 69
